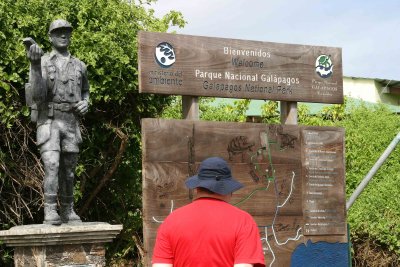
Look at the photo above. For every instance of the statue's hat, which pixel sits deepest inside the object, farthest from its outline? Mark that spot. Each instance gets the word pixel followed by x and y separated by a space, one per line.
pixel 59 23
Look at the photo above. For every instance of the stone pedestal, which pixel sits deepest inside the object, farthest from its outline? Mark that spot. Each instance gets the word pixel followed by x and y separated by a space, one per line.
pixel 67 245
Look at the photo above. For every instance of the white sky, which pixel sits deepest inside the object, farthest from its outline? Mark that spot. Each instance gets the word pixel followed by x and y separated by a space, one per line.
pixel 368 31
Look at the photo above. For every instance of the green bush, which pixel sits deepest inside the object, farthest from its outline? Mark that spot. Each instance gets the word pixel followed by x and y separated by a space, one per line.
pixel 376 212
pixel 109 172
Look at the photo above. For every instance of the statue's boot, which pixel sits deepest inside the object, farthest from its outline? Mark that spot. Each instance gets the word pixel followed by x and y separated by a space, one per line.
pixel 50 210
pixel 67 212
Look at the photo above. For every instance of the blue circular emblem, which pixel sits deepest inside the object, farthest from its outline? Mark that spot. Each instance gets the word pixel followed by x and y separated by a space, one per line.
pixel 324 66
pixel 165 55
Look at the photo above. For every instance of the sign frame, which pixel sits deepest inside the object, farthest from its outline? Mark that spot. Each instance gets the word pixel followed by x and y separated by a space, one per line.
pixel 177 64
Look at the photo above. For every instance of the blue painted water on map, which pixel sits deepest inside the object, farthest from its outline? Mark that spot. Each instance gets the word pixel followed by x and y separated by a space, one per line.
pixel 321 254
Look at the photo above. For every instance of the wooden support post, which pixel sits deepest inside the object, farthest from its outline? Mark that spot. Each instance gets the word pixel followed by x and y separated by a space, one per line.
pixel 288 112
pixel 190 107
pixel 190 111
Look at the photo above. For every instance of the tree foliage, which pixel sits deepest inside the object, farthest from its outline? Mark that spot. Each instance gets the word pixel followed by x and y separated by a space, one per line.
pixel 109 171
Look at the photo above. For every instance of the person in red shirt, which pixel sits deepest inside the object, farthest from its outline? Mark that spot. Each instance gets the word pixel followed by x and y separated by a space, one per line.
pixel 209 232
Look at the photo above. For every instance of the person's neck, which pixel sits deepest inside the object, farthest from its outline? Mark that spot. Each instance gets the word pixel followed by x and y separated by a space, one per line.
pixel 201 194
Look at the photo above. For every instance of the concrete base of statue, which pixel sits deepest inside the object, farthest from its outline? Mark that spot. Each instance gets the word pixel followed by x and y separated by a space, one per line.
pixel 66 245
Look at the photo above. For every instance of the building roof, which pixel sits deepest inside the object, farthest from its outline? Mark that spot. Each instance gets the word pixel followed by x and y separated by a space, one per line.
pixel 388 83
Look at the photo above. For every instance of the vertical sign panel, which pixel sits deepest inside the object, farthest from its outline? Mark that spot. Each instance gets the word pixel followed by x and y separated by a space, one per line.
pixel 323 183
pixel 280 165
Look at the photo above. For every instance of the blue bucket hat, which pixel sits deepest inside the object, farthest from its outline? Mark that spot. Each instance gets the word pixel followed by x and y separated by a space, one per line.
pixel 215 175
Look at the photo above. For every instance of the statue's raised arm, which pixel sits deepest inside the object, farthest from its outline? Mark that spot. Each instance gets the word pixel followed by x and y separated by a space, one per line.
pixel 34 90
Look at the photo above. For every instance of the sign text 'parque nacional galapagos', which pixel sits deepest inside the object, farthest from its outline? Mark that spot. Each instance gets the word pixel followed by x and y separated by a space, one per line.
pixel 219 67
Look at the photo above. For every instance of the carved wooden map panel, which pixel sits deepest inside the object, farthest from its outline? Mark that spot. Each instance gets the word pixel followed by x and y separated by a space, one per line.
pixel 293 177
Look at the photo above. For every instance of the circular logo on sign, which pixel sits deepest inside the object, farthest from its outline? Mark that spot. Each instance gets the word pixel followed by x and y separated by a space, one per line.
pixel 324 66
pixel 165 55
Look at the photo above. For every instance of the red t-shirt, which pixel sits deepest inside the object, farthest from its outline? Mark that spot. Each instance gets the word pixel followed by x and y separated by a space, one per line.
pixel 210 233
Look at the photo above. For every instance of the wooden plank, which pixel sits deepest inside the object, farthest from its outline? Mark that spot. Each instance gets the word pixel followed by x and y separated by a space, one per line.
pixel 205 66
pixel 272 161
pixel 237 141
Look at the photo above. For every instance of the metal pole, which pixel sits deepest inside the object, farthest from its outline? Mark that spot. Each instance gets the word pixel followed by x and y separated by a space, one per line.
pixel 372 172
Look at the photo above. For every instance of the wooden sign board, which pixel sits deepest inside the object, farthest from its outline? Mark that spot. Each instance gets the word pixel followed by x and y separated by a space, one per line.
pixel 293 177
pixel 218 67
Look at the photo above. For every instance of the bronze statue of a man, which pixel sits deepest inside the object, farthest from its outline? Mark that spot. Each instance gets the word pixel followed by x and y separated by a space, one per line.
pixel 58 93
